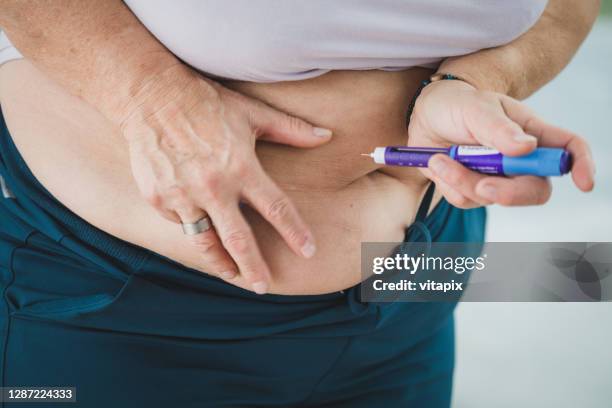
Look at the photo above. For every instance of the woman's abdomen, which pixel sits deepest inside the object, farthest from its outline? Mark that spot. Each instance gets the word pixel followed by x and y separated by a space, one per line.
pixel 82 160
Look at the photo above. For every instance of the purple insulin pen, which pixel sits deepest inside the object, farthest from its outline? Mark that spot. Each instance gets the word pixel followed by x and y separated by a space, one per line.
pixel 543 161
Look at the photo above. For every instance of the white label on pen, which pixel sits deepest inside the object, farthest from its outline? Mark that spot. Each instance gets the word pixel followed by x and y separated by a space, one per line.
pixel 475 151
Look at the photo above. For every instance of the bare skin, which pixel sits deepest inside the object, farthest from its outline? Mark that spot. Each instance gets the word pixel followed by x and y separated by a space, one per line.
pixel 148 97
pixel 341 194
pixel 191 141
pixel 346 198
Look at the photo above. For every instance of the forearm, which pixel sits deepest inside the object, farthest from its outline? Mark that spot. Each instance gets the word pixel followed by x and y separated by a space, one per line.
pixel 524 65
pixel 97 50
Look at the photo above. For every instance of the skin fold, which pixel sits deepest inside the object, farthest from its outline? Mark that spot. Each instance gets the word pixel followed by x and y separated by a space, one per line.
pixel 105 113
pixel 343 196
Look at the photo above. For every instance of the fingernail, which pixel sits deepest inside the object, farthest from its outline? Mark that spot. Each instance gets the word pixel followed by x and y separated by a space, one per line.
pixel 321 132
pixel 228 274
pixel 487 191
pixel 309 249
pixel 438 165
pixel 260 287
pixel 524 138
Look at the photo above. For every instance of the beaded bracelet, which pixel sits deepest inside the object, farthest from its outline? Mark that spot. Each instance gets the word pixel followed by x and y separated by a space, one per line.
pixel 434 78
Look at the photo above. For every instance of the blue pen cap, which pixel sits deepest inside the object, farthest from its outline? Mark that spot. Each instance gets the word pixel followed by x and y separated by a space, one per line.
pixel 543 161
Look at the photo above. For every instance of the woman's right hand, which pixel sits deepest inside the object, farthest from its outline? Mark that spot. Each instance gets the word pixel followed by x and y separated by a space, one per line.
pixel 454 112
pixel 192 150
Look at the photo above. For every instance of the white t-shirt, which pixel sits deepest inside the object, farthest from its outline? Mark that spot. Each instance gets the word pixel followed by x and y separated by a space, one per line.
pixel 279 40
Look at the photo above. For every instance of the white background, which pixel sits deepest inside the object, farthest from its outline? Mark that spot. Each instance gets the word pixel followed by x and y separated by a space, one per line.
pixel 550 354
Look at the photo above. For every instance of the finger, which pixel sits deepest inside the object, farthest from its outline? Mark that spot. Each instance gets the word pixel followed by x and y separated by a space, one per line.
pixel 485 190
pixel 278 127
pixel 271 202
pixel 451 195
pixel 238 239
pixel 170 215
pixel 515 191
pixel 583 167
pixel 190 213
pixel 459 177
pixel 490 126
pixel 156 201
pixel 215 258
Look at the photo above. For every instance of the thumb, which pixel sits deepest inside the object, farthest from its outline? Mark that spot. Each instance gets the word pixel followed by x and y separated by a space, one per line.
pixel 278 127
pixel 491 126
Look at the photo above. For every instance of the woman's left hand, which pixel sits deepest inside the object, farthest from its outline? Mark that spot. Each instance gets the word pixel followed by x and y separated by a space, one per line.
pixel 454 112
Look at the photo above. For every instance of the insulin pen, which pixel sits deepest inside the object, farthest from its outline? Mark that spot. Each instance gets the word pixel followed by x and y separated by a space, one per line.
pixel 543 161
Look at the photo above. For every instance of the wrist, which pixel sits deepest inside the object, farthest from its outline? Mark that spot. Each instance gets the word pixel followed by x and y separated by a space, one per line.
pixel 435 81
pixel 132 84
pixel 499 76
pixel 165 101
pixel 446 88
pixel 162 94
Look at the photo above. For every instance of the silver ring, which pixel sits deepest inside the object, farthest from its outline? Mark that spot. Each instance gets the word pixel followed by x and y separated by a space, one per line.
pixel 198 227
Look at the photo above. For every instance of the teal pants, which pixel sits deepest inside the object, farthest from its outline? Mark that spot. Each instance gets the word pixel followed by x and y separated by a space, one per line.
pixel 130 328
